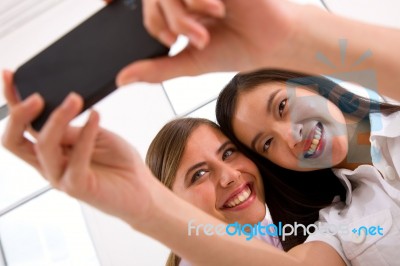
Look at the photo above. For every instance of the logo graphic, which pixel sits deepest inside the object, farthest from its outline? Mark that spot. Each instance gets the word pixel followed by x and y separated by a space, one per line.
pixel 368 231
pixel 343 87
pixel 279 229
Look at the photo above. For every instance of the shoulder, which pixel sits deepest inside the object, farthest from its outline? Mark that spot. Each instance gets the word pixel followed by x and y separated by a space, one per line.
pixel 310 252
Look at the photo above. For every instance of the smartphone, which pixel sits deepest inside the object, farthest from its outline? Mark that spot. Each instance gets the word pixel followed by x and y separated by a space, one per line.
pixel 87 59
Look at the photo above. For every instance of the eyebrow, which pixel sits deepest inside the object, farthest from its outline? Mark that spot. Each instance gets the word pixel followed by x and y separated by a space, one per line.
pixel 197 165
pixel 223 146
pixel 269 110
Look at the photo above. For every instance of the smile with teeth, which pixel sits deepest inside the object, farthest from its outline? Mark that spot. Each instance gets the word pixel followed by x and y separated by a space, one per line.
pixel 314 142
pixel 239 198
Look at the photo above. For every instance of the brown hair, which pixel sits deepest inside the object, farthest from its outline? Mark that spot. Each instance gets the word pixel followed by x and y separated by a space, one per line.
pixel 293 196
pixel 346 101
pixel 173 260
pixel 165 153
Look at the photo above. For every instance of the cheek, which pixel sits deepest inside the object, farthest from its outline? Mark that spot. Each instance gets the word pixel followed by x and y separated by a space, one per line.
pixel 282 157
pixel 335 114
pixel 201 197
pixel 339 149
pixel 287 161
pixel 258 182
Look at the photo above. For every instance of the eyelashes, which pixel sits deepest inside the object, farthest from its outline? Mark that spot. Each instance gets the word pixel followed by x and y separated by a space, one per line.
pixel 197 175
pixel 281 109
pixel 266 145
pixel 201 172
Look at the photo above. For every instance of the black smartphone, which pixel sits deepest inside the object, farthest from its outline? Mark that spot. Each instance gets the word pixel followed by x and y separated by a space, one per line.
pixel 87 59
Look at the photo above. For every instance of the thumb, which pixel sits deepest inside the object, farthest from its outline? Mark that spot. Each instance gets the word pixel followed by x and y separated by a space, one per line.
pixel 159 69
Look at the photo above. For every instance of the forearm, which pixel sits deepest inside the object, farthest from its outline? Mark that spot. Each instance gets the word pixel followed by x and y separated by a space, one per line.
pixel 319 33
pixel 169 224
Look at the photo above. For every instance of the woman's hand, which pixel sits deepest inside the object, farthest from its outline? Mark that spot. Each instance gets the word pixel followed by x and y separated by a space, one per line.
pixel 88 163
pixel 224 36
pixel 238 35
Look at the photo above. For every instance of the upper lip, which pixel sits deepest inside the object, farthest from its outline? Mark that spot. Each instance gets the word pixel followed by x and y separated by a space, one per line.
pixel 235 193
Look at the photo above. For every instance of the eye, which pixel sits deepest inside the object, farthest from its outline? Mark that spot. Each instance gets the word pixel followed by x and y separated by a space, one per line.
pixel 281 107
pixel 197 175
pixel 267 144
pixel 228 153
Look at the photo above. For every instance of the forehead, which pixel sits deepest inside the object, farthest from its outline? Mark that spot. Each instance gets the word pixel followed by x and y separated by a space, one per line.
pixel 204 137
pixel 250 100
pixel 251 107
pixel 257 94
pixel 202 144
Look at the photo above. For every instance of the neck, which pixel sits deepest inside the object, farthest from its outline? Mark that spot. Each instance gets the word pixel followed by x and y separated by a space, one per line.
pixel 359 150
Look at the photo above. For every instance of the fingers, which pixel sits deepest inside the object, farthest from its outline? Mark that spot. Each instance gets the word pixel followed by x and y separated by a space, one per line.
pixel 149 70
pixel 12 96
pixel 21 116
pixel 179 20
pixel 10 92
pixel 70 136
pixel 214 8
pixel 48 155
pixel 49 150
pixel 156 24
pixel 168 18
pixel 81 155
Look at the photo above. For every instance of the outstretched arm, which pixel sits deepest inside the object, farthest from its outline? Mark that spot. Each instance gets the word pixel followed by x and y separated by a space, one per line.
pixel 102 169
pixel 235 35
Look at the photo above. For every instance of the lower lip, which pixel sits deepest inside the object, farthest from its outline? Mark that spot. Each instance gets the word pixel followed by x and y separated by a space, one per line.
pixel 320 147
pixel 246 203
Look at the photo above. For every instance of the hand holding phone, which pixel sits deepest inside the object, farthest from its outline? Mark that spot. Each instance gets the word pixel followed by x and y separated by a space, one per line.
pixel 87 59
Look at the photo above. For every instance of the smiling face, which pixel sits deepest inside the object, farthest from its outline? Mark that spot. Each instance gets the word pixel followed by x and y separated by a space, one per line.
pixel 218 179
pixel 291 126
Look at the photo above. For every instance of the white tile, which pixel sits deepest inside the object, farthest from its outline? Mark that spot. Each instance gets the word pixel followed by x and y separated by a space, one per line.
pixel 207 111
pixel 187 93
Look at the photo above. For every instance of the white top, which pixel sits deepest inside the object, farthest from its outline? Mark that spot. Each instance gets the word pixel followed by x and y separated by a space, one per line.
pixel 269 238
pixel 365 230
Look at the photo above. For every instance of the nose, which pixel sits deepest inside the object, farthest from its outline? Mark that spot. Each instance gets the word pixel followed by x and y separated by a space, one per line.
pixel 293 135
pixel 229 175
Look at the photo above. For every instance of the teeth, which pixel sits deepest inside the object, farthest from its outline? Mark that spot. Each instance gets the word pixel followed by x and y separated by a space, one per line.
pixel 241 197
pixel 314 142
